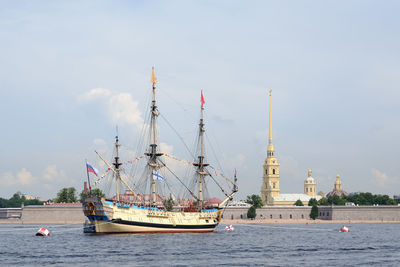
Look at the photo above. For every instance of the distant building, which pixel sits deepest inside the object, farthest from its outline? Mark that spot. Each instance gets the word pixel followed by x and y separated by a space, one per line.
pixel 28 196
pixel 238 204
pixel 270 191
pixel 310 187
pixel 337 189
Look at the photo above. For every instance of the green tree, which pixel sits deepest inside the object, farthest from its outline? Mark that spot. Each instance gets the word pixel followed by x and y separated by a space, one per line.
pixel 15 201
pixel 251 213
pixel 323 202
pixel 97 192
pixel 314 212
pixel 169 204
pixel 66 195
pixel 312 202
pixel 298 203
pixel 254 200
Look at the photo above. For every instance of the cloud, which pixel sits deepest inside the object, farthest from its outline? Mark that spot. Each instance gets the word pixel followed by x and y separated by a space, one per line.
pixel 23 177
pixel 94 93
pixel 26 178
pixel 236 162
pixel 165 148
pixel 99 142
pixel 51 173
pixel 382 179
pixel 124 110
pixel 121 108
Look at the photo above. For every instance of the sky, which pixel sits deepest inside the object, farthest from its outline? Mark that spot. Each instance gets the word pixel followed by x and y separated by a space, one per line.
pixel 72 70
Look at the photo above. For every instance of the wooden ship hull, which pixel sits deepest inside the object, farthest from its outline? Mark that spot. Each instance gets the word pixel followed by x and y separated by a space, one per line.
pixel 112 218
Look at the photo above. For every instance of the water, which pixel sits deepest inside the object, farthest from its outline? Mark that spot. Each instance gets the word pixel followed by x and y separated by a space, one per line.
pixel 263 245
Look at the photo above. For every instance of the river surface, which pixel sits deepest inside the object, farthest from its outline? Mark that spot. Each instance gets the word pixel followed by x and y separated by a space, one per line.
pixel 247 245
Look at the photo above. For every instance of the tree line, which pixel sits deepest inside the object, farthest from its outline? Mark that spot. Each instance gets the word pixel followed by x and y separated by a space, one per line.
pixel 360 199
pixel 65 195
pixel 16 200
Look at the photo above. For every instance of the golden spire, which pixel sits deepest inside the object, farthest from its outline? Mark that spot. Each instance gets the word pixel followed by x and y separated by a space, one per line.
pixel 270 117
pixel 153 76
pixel 309 172
pixel 270 145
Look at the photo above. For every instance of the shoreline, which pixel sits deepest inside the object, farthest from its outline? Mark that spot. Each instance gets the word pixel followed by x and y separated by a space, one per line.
pixel 223 221
pixel 300 221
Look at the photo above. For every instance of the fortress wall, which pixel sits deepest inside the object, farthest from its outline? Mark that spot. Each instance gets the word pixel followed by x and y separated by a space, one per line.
pixel 367 213
pixel 52 215
pixel 334 213
pixel 273 213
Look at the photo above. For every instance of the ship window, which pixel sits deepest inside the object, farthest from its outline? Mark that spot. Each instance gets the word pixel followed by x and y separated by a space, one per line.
pixel 206 221
pixel 273 171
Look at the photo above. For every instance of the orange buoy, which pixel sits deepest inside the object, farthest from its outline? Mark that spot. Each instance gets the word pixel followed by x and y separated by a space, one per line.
pixel 344 229
pixel 43 232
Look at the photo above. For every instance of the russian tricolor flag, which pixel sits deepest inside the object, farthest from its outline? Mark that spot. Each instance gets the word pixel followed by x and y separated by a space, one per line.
pixel 92 169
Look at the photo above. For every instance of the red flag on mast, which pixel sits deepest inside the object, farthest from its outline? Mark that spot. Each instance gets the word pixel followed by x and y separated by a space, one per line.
pixel 202 99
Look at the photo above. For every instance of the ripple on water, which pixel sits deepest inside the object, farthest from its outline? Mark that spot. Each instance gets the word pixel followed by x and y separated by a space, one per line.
pixel 259 245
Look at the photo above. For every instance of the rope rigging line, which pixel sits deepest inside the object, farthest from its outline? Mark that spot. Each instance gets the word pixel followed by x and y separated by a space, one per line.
pixel 193 195
pixel 176 132
pixel 219 174
pixel 108 170
pixel 213 151
pixel 191 163
pixel 220 187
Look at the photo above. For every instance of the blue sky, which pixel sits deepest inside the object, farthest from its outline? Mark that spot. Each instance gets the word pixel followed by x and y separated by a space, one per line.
pixel 72 70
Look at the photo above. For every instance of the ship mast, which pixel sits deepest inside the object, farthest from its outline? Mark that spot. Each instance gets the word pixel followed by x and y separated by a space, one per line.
pixel 200 164
pixel 153 142
pixel 116 164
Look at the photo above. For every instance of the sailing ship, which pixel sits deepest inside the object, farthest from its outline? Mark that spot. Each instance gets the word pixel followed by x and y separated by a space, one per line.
pixel 152 213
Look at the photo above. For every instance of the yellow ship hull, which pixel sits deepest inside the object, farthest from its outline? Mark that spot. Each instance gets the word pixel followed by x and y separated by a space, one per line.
pixel 111 218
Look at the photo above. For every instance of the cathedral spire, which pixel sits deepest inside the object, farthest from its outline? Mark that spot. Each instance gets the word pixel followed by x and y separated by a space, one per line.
pixel 270 145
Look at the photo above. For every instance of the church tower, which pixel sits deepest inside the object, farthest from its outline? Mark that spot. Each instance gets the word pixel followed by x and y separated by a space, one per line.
pixel 310 186
pixel 270 185
pixel 338 184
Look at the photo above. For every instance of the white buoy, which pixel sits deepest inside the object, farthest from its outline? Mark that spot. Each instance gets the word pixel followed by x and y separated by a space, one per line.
pixel 344 229
pixel 229 227
pixel 43 232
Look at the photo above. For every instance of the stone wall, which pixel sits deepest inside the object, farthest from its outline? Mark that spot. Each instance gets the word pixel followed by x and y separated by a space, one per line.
pixel 269 213
pixel 10 213
pixel 338 213
pixel 360 213
pixel 52 214
pixel 59 214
